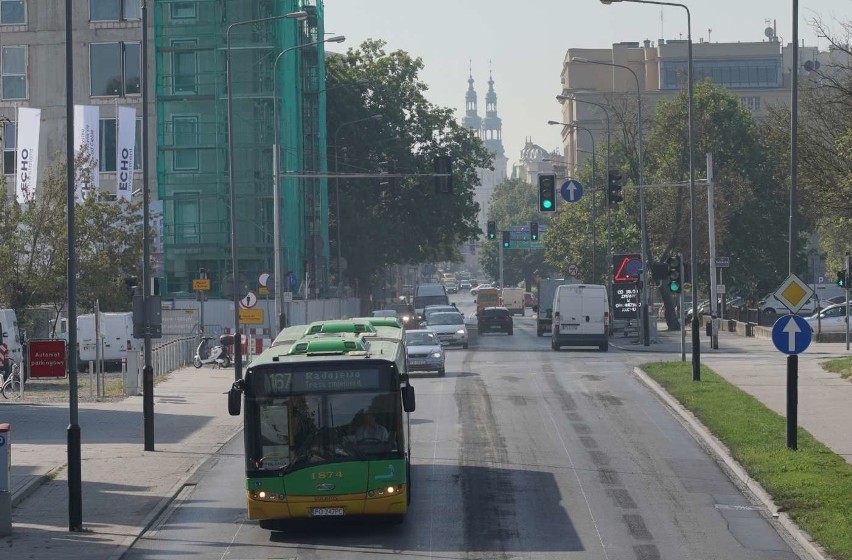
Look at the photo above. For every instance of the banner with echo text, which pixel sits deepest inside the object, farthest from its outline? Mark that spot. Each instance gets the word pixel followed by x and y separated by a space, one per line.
pixel 87 147
pixel 29 127
pixel 125 155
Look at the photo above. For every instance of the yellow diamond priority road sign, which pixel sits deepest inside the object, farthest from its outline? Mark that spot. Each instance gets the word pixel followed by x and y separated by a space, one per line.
pixel 794 293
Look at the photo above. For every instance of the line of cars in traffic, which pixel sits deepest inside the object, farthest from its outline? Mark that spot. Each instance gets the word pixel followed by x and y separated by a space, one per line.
pixel 426 341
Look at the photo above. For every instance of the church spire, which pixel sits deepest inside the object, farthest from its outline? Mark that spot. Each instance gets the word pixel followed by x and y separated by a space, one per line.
pixel 471 119
pixel 492 126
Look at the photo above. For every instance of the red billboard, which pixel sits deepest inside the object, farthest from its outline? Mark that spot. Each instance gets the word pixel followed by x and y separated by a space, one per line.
pixel 47 358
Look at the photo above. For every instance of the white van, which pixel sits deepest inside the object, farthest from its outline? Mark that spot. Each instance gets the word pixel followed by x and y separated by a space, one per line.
pixel 580 316
pixel 513 300
pixel 429 294
pixel 11 335
pixel 116 334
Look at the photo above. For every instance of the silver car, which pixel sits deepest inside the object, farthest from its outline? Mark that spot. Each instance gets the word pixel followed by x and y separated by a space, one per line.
pixel 450 328
pixel 831 319
pixel 424 350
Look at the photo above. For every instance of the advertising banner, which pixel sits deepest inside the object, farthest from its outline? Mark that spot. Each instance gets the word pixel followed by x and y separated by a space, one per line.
pixel 125 152
pixel 87 144
pixel 29 127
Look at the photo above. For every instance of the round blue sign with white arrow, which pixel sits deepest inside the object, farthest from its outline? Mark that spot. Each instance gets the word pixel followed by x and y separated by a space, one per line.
pixel 791 334
pixel 572 190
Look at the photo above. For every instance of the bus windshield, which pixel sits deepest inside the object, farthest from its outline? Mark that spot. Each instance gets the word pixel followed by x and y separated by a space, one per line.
pixel 300 430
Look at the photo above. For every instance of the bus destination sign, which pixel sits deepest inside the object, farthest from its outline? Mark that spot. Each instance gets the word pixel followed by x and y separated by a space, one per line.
pixel 285 383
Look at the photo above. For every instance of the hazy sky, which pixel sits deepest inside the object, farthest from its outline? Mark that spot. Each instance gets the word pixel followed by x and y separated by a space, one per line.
pixel 526 43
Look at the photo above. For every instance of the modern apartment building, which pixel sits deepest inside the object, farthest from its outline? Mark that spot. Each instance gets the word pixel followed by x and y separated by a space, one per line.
pixel 758 72
pixel 188 126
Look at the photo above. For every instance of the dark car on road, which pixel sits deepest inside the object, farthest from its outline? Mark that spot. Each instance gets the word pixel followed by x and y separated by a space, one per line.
pixel 494 319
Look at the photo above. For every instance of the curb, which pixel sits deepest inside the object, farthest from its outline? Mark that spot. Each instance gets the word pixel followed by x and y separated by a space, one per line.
pixel 36 482
pixel 720 453
pixel 166 501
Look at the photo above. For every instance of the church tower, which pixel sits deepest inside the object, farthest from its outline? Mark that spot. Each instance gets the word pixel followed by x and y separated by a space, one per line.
pixel 492 126
pixel 472 121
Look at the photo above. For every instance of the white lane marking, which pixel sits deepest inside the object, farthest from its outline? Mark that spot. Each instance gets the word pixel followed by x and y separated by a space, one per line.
pixel 434 466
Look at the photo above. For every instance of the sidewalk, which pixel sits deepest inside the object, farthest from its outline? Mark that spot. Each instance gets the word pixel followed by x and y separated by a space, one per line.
pixel 191 423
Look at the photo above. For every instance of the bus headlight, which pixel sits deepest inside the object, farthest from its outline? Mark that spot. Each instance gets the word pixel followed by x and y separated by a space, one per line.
pixel 385 491
pixel 265 496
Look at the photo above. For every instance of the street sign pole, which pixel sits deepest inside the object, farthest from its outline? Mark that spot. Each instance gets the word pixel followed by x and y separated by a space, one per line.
pixel 792 400
pixel 846 287
pixel 681 318
pixel 500 258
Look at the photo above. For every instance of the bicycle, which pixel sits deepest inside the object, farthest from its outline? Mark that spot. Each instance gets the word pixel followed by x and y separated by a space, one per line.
pixel 12 384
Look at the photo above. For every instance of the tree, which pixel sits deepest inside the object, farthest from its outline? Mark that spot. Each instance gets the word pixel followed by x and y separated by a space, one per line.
pixel 400 220
pixel 33 257
pixel 743 184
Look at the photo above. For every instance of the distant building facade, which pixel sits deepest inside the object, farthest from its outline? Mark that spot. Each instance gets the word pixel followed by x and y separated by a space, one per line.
pixel 535 161
pixel 758 72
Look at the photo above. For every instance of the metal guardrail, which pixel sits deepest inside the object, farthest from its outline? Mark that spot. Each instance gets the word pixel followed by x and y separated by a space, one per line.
pixel 173 354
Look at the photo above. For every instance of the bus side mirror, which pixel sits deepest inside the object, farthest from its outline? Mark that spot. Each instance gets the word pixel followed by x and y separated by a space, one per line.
pixel 235 395
pixel 408 398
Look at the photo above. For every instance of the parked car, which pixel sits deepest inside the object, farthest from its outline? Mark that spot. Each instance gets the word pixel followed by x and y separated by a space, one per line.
pixel 770 306
pixel 830 319
pixel 449 326
pixel 424 350
pixel 495 319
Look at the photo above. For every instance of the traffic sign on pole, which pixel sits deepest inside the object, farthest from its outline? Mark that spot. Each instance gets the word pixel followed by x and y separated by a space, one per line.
pixel 791 334
pixel 572 190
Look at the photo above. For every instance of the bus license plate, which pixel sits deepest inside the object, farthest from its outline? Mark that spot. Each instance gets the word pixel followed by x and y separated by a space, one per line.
pixel 326 511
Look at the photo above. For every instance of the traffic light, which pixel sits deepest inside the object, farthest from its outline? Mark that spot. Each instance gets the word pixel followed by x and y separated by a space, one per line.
pixel 613 189
pixel 492 229
pixel 675 281
pixel 547 193
pixel 443 166
pixel 507 239
pixel 534 231
pixel 841 278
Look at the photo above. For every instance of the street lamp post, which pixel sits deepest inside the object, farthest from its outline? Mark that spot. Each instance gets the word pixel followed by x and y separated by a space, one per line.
pixel 593 193
pixel 643 233
pixel 276 200
pixel 238 351
pixel 696 341
pixel 600 106
pixel 375 117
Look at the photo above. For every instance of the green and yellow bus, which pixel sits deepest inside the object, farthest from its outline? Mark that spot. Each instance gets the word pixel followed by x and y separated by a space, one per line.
pixel 326 427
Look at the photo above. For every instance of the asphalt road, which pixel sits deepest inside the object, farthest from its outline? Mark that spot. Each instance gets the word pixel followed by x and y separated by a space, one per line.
pixel 519 452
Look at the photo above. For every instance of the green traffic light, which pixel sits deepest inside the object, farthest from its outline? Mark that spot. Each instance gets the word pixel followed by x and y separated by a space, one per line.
pixel 546 204
pixel 674 286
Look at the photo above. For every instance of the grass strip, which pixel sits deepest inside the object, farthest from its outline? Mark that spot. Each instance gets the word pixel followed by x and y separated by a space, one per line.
pixel 812 485
pixel 841 366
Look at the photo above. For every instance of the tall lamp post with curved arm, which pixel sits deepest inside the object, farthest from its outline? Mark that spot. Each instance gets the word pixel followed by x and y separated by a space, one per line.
pixel 238 351
pixel 276 166
pixel 696 342
pixel 600 106
pixel 643 233
pixel 376 117
pixel 592 191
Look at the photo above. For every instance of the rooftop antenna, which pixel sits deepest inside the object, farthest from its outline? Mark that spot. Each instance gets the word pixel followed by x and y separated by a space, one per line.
pixel 709 31
pixel 662 30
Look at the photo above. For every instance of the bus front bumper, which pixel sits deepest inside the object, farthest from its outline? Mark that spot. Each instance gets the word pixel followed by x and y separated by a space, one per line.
pixel 291 507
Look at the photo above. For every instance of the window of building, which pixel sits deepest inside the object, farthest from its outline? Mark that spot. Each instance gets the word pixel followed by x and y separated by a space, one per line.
pixel 183 10
pixel 751 102
pixel 115 69
pixel 14 72
pixel 185 131
pixel 10 147
pixel 115 10
pixel 184 65
pixel 187 217
pixel 738 73
pixel 107 159
pixel 12 12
